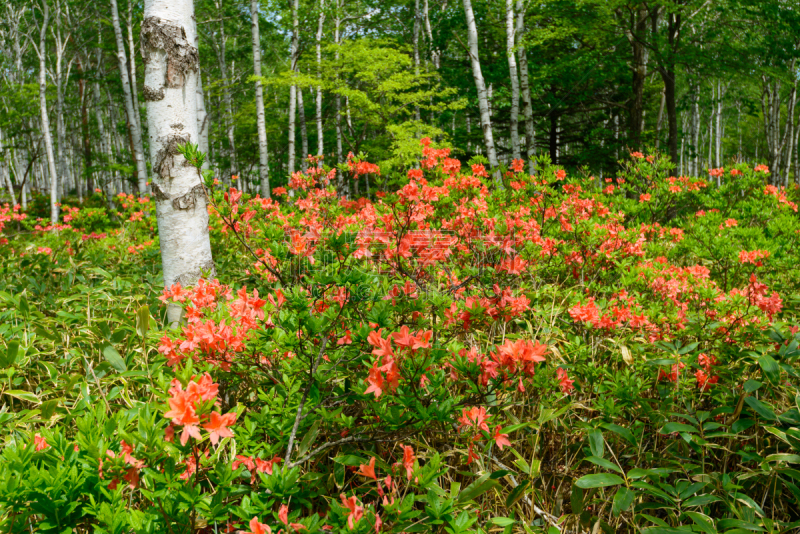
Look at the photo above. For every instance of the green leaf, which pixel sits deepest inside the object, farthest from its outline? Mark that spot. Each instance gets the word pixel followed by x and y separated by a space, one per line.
pixel 622 431
pixel 602 462
pixel 761 409
pixel 517 493
pixel 502 521
pixel 113 357
pixel 596 442
pixel 11 354
pixel 600 480
pixel 309 438
pixel 478 487
pixel 770 368
pixel 705 523
pixel 143 321
pixel 669 428
pixel 622 501
pixel 751 385
pixel 576 500
pixel 22 395
pixel 701 500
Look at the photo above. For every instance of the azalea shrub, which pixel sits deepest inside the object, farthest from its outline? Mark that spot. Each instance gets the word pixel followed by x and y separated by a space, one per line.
pixel 559 354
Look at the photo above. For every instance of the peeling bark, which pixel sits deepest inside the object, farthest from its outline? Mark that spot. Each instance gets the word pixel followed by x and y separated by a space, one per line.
pixel 171 64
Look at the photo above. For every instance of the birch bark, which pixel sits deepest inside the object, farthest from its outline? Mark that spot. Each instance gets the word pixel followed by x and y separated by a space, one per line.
pixel 480 85
pixel 293 88
pixel 320 27
pixel 41 51
pixel 530 133
pixel 512 69
pixel 168 34
pixel 263 154
pixel 301 112
pixel 136 133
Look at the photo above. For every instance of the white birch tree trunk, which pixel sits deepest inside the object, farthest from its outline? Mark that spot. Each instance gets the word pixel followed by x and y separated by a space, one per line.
pixel 480 85
pixel 136 133
pixel 338 104
pixel 301 112
pixel 512 69
pixel 530 133
pixel 226 97
pixel 318 117
pixel 416 52
pixel 293 88
pixel 132 66
pixel 263 154
pixel 171 60
pixel 41 51
pixel 202 117
pixel 435 55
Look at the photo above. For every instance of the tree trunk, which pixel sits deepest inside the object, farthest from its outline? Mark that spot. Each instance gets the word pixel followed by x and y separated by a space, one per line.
pixel 318 117
pixel 416 54
pixel 85 140
pixel 301 112
pixel 168 34
pixel 435 55
pixel 483 101
pixel 294 51
pixel 202 116
pixel 639 77
pixel 132 70
pixel 48 139
pixel 512 69
pixel 226 96
pixel 342 188
pixel 263 154
pixel 530 139
pixel 136 133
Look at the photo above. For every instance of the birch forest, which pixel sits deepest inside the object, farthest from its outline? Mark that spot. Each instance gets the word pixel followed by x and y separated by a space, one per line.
pixel 399 266
pixel 583 82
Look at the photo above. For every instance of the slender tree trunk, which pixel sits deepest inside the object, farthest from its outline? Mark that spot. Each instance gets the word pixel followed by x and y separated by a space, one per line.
pixel 512 69
pixel 530 134
pixel 136 133
pixel 86 141
pixel 293 88
pixel 48 139
pixel 639 76
pixel 480 85
pixel 168 36
pixel 435 55
pixel 318 117
pixel 416 53
pixel 660 120
pixel 60 134
pixel 226 96
pixel 718 126
pixel 202 116
pixel 301 112
pixel 263 154
pixel 342 187
pixel 132 69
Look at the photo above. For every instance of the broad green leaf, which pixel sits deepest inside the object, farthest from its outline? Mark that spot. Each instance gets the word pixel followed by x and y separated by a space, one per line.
pixel 477 488
pixel 751 385
pixel 113 357
pixel 770 368
pixel 10 357
pixel 517 493
pixel 502 521
pixel 669 428
pixel 600 480
pixel 602 462
pixel 622 431
pixel 143 321
pixel 22 395
pixel 705 523
pixel 596 442
pixel 761 409
pixel 622 501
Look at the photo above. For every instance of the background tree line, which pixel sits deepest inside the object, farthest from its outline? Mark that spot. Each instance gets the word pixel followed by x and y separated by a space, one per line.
pixel 582 81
